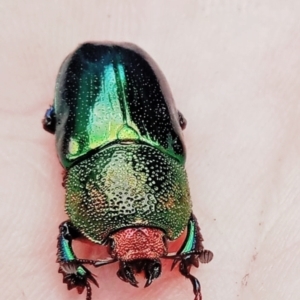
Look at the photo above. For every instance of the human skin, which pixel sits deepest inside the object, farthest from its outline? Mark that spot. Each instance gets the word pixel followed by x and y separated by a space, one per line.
pixel 234 73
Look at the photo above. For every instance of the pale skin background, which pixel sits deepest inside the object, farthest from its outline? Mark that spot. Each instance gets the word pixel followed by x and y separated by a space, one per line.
pixel 234 70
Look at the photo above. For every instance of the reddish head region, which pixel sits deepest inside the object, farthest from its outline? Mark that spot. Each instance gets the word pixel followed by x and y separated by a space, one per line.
pixel 138 243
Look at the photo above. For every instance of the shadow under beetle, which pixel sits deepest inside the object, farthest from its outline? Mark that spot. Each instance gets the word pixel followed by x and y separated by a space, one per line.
pixel 119 138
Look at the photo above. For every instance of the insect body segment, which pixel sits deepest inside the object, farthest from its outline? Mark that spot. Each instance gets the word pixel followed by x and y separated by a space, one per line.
pixel 119 138
pixel 109 93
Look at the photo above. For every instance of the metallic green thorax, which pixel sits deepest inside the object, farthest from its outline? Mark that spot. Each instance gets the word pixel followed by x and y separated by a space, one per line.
pixel 109 95
pixel 128 185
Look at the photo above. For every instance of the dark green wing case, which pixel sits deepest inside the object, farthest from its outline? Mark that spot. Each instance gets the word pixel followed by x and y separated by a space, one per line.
pixel 108 94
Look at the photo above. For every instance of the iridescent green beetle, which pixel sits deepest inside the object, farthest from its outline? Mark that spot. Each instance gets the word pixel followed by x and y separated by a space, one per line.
pixel 119 138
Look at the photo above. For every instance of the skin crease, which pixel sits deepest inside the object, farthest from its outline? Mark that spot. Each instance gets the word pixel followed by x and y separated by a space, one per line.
pixel 233 69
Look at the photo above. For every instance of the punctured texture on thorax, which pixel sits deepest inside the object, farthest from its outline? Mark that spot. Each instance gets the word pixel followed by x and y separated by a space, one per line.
pixel 127 185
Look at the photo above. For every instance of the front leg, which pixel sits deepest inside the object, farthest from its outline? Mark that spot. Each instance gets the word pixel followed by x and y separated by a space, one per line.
pixel 190 253
pixel 74 273
pixel 192 246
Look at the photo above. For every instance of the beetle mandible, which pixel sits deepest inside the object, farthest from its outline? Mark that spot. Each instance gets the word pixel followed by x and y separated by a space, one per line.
pixel 119 138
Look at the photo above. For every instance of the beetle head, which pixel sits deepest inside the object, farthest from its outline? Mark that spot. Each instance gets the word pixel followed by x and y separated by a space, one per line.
pixel 138 243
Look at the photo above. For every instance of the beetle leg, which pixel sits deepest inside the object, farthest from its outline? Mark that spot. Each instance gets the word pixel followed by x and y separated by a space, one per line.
pixel 182 120
pixel 152 271
pixel 190 253
pixel 192 246
pixel 184 269
pixel 125 273
pixel 74 273
pixel 49 120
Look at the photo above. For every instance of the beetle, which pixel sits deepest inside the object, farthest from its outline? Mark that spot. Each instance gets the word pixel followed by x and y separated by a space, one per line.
pixel 119 138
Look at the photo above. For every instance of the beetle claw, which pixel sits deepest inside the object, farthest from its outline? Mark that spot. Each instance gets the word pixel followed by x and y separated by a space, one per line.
pixel 79 277
pixel 175 262
pixel 152 271
pixel 125 273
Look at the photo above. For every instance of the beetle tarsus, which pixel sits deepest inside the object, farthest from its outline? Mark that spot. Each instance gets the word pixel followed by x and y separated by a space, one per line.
pixel 88 291
pixel 152 271
pixel 125 273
